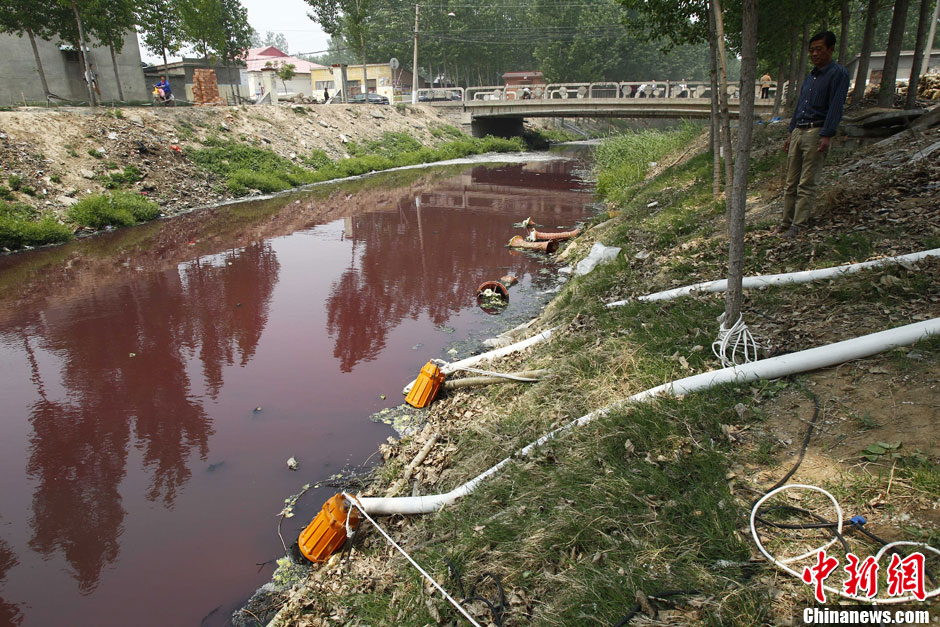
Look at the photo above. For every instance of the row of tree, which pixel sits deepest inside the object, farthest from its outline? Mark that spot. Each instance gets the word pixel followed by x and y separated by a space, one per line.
pixel 215 28
pixel 573 40
pixel 467 44
pixel 765 34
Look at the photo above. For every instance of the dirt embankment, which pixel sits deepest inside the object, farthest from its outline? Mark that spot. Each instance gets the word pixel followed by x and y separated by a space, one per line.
pixel 58 156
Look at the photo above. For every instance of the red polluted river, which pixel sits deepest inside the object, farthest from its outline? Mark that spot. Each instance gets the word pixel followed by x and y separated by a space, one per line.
pixel 155 380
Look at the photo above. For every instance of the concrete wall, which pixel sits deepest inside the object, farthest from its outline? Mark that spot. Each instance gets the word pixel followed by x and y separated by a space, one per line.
pixel 877 62
pixel 20 81
pixel 180 74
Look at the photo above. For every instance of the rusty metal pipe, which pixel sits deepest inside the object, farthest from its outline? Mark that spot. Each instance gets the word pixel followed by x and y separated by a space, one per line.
pixel 560 236
pixel 546 247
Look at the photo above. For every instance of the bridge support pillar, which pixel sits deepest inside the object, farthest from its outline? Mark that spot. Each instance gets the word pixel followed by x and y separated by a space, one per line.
pixel 499 127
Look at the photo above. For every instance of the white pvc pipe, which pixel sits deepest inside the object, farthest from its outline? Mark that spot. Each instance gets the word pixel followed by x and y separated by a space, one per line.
pixel 804 276
pixel 493 354
pixel 802 361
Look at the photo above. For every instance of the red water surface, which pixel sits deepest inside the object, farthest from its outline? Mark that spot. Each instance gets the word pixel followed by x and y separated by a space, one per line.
pixel 154 381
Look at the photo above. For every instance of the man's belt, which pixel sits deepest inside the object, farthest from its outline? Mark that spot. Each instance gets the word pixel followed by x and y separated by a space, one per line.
pixel 817 124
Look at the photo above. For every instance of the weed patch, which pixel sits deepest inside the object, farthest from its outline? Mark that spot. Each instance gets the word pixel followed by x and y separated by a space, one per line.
pixel 22 225
pixel 113 209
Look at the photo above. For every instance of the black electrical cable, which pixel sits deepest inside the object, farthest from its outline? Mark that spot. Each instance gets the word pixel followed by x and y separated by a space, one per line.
pixel 822 523
pixel 660 595
pixel 497 609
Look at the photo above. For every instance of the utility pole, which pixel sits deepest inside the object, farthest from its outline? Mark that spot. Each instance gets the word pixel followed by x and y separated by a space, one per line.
pixel 414 63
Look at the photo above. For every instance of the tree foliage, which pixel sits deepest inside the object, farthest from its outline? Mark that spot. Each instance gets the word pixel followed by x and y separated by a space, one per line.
pixel 271 38
pixel 161 25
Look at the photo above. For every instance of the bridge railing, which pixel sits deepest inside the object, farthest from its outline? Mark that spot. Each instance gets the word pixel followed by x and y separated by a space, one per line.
pixel 603 89
pixel 441 94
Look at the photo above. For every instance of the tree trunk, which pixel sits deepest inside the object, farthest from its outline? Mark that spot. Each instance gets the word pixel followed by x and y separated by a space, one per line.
pixel 165 63
pixel 933 31
pixel 889 74
pixel 844 34
pixel 778 97
pixel 81 44
pixel 864 57
pixel 117 77
pixel 365 72
pixel 794 75
pixel 42 73
pixel 738 195
pixel 715 133
pixel 801 64
pixel 723 94
pixel 922 23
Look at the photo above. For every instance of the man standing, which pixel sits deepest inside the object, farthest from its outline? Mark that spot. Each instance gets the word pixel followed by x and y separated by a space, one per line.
pixel 812 128
pixel 92 77
pixel 765 83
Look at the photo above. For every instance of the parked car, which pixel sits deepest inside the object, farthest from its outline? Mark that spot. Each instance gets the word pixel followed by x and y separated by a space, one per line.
pixel 370 98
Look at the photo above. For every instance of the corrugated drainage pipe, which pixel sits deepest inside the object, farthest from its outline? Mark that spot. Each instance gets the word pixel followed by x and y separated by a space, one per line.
pixel 805 276
pixel 540 236
pixel 784 365
pixel 548 246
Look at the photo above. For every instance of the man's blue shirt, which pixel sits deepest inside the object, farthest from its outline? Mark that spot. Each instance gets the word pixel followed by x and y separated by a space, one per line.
pixel 822 98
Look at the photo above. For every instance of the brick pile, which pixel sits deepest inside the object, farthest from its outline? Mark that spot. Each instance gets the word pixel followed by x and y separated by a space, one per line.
pixel 206 88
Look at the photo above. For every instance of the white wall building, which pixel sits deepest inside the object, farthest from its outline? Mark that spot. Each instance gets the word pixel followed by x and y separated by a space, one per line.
pixel 259 58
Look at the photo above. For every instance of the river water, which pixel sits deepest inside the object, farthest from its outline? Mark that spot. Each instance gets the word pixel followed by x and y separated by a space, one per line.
pixel 155 380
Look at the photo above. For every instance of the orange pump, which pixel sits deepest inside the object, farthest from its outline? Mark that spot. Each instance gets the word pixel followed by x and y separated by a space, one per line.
pixel 426 386
pixel 327 532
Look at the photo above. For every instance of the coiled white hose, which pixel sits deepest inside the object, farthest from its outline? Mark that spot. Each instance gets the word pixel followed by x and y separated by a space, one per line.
pixel 782 563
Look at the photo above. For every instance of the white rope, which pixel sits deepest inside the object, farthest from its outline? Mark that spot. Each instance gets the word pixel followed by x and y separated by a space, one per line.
pixel 355 503
pixel 738 337
pixel 491 373
pixel 782 563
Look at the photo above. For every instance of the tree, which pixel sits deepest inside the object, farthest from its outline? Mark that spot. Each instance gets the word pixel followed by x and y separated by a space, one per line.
pixel 278 40
pixel 234 36
pixel 77 6
pixel 923 21
pixel 718 32
pixel 892 54
pixel 162 25
pixel 108 21
pixel 284 71
pixel 861 78
pixel 348 18
pixel 738 200
pixel 202 24
pixel 19 17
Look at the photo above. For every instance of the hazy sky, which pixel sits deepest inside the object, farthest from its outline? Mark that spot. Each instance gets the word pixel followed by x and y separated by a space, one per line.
pixel 284 16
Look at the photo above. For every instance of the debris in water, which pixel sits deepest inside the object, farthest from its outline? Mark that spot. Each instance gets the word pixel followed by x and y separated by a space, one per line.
pixel 257 409
pixel 292 463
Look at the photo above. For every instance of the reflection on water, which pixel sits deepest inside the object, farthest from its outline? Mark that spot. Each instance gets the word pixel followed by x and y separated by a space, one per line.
pixel 131 364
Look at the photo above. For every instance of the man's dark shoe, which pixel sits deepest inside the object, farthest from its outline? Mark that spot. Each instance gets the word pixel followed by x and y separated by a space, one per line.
pixel 792 232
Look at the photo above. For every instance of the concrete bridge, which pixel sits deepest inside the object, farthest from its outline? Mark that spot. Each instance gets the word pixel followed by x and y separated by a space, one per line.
pixel 500 110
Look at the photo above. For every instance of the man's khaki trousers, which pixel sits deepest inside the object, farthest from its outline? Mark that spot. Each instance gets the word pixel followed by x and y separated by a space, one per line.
pixel 804 165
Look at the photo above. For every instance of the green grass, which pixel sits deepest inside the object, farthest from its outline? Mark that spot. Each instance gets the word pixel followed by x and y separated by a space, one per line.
pixel 622 162
pixel 116 180
pixel 22 225
pixel 114 209
pixel 245 167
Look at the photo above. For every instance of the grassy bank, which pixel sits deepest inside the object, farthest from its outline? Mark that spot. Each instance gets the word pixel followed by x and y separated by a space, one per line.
pixel 246 167
pixel 238 168
pixel 655 498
